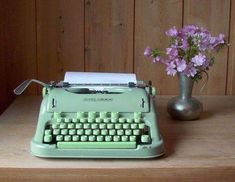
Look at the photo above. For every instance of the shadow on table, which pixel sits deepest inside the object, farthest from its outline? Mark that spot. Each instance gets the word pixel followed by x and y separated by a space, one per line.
pixel 174 131
pixel 205 115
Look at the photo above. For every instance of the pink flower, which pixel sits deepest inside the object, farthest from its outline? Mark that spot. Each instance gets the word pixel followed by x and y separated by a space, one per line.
pixel 156 59
pixel 189 30
pixel 170 69
pixel 181 65
pixel 190 71
pixel 172 52
pixel 184 44
pixel 199 59
pixel 172 32
pixel 148 52
pixel 214 41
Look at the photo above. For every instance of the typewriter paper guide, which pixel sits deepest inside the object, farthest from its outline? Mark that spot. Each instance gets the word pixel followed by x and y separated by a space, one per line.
pixel 99 78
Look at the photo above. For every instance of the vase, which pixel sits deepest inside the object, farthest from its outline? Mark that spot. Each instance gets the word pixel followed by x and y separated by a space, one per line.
pixel 184 106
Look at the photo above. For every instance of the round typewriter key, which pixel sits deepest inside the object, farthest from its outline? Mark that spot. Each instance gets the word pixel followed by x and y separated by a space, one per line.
pixel 130 120
pixel 47 132
pixel 132 138
pixel 59 138
pixel 64 131
pixel 75 120
pixel 126 126
pixel 91 115
pixel 122 120
pixel 107 120
pixel 110 126
pixel 114 115
pixel 114 120
pixel 87 126
pixel 134 126
pixel 80 132
pixel 100 138
pixel 88 132
pixel 120 132
pixel 55 125
pixel 141 126
pixel 104 132
pixel 137 120
pixel 128 132
pixel 83 120
pixel 136 132
pixel 98 120
pixel 96 132
pixel 75 138
pixel 124 138
pixel 112 132
pixel 63 125
pixel 72 131
pixel 79 125
pixel 102 126
pixel 91 120
pixel 145 139
pixel 94 126
pixel 67 120
pixel 56 114
pixel 116 138
pixel 84 138
pixel 56 131
pixel 108 138
pixel 81 114
pixel 118 126
pixel 103 115
pixel 47 138
pixel 67 138
pixel 71 125
pixel 91 138
pixel 59 120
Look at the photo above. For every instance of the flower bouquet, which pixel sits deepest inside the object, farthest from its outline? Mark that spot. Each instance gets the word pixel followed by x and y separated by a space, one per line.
pixel 189 54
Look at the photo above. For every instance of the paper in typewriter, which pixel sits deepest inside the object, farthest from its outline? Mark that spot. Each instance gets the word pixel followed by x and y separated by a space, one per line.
pixel 99 78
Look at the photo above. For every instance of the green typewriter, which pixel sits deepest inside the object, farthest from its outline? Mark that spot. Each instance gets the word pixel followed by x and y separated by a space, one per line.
pixel 96 115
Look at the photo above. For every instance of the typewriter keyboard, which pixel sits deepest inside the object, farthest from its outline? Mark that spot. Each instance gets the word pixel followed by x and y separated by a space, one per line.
pixel 92 130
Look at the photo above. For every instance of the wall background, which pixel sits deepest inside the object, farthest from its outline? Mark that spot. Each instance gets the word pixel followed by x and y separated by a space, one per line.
pixel 43 39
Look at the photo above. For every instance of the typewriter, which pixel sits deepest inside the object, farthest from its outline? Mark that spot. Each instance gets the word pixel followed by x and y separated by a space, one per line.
pixel 89 119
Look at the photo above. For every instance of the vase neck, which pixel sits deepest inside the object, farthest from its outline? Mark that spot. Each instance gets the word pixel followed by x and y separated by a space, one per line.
pixel 185 86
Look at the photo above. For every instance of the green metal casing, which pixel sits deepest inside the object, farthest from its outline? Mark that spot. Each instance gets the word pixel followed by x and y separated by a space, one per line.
pixel 124 100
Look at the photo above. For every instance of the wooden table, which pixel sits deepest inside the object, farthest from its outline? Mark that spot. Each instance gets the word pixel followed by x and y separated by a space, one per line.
pixel 195 150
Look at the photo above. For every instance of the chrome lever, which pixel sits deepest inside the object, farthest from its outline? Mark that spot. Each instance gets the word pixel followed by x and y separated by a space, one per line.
pixel 20 89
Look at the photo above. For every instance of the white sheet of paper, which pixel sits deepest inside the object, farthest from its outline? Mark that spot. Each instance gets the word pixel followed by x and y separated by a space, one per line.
pixel 99 78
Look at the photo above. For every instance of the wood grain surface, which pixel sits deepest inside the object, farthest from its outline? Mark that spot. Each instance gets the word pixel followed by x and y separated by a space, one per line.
pixel 19 44
pixel 200 150
pixel 3 85
pixel 60 38
pixel 214 16
pixel 109 35
pixel 231 55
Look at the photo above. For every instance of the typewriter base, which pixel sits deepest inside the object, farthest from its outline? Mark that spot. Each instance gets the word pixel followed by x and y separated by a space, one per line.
pixel 143 151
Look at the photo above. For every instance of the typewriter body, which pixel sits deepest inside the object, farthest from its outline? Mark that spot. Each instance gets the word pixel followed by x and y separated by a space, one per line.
pixel 97 121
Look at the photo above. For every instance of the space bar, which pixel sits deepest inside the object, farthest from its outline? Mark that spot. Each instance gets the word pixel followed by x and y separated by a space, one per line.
pixel 96 145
